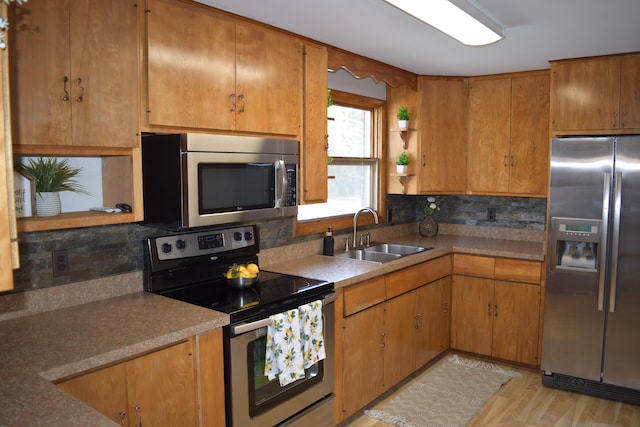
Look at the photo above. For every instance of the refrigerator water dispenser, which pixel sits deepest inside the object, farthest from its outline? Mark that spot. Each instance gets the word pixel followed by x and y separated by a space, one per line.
pixel 575 244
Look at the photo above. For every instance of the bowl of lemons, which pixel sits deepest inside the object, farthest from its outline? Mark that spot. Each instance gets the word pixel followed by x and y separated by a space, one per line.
pixel 242 275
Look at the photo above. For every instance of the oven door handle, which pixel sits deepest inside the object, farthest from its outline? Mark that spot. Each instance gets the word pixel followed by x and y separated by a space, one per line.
pixel 248 327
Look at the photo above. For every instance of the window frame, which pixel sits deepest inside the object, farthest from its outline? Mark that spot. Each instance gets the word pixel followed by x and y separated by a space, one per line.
pixel 378 109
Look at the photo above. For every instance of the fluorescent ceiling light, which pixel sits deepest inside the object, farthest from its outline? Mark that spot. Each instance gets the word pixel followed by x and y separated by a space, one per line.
pixel 461 21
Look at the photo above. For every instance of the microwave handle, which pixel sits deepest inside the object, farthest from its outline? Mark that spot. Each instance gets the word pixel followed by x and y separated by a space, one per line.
pixel 281 168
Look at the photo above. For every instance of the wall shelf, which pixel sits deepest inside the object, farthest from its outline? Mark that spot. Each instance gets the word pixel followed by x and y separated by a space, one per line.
pixel 404 180
pixel 404 135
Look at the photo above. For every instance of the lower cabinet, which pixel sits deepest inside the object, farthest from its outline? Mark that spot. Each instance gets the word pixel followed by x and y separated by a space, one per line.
pixel 158 388
pixel 392 326
pixel 497 318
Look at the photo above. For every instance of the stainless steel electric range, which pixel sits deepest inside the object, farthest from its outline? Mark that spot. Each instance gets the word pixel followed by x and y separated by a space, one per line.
pixel 190 267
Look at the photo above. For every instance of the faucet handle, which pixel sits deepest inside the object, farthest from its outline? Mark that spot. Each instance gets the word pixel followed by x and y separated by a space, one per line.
pixel 367 239
pixel 346 244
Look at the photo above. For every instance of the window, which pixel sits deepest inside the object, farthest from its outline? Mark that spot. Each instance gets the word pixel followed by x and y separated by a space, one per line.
pixel 355 134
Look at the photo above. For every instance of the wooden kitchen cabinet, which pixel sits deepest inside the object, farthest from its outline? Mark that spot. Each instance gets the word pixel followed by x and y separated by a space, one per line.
pixel 158 388
pixel 392 326
pixel 74 73
pixel 442 120
pixel 508 151
pixel 596 95
pixel 363 358
pixel 314 145
pixel 497 318
pixel 207 70
pixel 416 330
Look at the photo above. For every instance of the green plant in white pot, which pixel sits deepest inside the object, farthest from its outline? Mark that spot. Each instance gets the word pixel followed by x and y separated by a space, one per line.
pixel 51 176
pixel 402 162
pixel 403 116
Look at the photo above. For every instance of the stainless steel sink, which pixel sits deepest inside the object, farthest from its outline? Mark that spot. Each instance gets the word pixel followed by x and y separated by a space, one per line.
pixel 382 252
pixel 395 248
pixel 368 255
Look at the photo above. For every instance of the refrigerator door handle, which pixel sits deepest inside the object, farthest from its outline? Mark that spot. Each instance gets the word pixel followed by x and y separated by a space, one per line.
pixel 602 252
pixel 615 239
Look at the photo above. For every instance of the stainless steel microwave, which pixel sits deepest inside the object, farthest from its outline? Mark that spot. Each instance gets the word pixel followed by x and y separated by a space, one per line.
pixel 196 180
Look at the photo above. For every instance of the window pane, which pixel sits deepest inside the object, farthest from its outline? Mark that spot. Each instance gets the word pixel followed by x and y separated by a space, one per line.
pixel 350 191
pixel 349 132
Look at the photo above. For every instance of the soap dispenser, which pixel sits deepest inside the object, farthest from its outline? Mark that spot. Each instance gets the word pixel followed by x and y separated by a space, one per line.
pixel 327 243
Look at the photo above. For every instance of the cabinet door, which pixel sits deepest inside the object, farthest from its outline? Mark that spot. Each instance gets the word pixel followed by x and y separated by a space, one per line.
pixel 529 149
pixel 401 327
pixel 269 81
pixel 314 144
pixel 433 302
pixel 585 94
pixel 39 51
pixel 163 385
pixel 191 67
pixel 516 322
pixel 489 135
pixel 630 92
pixel 363 342
pixel 104 390
pixel 443 145
pixel 104 72
pixel 472 314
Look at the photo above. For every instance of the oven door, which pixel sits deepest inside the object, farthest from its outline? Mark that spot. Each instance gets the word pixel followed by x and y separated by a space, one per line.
pixel 253 400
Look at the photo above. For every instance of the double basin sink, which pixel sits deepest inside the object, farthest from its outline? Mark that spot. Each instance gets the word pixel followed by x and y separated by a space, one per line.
pixel 382 252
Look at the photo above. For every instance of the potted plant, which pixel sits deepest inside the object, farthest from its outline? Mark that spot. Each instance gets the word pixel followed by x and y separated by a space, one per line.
pixel 403 117
pixel 402 162
pixel 51 176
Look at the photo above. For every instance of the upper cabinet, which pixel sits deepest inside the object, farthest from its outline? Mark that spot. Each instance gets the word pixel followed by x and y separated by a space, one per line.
pixel 206 70
pixel 508 151
pixel 596 95
pixel 74 73
pixel 314 147
pixel 441 163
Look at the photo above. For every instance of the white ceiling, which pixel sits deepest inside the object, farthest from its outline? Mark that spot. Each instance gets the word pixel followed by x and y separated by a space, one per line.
pixel 536 31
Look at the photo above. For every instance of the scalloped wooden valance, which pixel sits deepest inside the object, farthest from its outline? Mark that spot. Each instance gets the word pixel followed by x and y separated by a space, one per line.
pixel 361 67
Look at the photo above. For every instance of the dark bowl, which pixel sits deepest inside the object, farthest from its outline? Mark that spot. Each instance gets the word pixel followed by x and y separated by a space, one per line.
pixel 242 282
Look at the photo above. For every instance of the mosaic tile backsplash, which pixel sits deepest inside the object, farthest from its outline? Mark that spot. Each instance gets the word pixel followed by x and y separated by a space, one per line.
pixel 96 252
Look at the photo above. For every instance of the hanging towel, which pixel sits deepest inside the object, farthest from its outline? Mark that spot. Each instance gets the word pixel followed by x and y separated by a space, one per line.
pixel 311 337
pixel 283 351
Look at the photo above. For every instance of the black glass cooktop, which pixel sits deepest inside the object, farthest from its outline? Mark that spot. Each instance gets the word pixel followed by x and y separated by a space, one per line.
pixel 273 293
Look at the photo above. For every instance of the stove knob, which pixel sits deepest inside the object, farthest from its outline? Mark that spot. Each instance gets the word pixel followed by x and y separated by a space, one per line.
pixel 237 236
pixel 181 244
pixel 248 236
pixel 166 248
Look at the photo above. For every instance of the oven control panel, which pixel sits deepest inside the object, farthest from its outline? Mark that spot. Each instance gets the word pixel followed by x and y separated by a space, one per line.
pixel 203 242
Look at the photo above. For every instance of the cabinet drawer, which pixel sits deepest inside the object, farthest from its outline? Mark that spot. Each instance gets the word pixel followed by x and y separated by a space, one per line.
pixel 518 270
pixel 472 265
pixel 364 295
pixel 415 276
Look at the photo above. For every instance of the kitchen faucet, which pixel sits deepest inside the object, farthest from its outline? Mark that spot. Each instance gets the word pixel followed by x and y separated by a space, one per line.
pixel 355 222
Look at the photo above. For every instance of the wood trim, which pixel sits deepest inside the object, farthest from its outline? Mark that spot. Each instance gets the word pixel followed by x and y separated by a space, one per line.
pixel 211 378
pixel 361 67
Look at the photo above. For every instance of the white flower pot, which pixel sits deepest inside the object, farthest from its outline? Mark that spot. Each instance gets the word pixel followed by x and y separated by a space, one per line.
pixel 48 204
pixel 402 169
pixel 403 124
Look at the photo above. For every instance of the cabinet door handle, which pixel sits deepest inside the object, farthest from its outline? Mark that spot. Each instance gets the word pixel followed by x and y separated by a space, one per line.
pixel 495 310
pixel 80 98
pixel 382 339
pixel 233 102
pixel 65 80
pixel 614 119
pixel 139 414
pixel 489 309
pixel 504 161
pixel 623 116
pixel 513 161
pixel 241 98
pixel 123 417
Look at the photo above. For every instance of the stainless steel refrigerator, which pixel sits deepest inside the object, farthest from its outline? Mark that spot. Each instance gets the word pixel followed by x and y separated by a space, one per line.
pixel 591 338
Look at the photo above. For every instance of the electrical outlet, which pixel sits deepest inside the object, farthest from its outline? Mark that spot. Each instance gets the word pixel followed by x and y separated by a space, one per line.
pixel 60 262
pixel 491 214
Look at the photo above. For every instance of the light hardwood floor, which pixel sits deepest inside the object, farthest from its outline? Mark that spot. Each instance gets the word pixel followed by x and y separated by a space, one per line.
pixel 524 402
